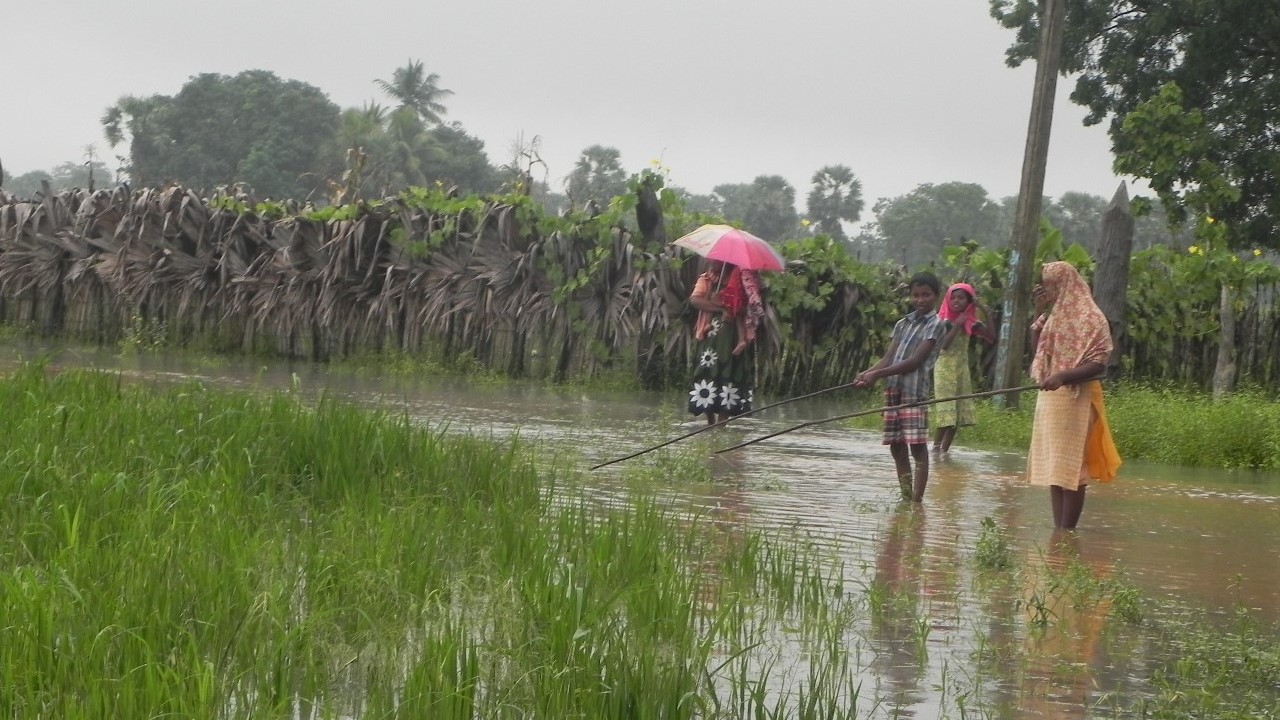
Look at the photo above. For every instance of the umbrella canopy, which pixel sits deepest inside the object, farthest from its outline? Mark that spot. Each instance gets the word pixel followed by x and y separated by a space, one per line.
pixel 731 245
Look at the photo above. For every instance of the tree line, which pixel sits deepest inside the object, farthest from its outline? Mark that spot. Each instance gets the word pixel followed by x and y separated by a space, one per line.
pixel 1185 87
pixel 284 139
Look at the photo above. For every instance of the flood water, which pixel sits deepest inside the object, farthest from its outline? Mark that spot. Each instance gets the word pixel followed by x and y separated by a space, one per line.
pixel 1208 539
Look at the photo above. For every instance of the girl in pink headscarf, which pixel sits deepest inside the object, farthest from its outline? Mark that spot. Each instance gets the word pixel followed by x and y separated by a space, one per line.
pixel 951 371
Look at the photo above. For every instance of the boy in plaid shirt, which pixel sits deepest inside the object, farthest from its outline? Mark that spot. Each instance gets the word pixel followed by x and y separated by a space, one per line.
pixel 908 365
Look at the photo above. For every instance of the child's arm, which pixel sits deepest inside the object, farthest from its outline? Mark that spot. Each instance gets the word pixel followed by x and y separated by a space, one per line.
pixel 902 368
pixel 702 297
pixel 875 372
pixel 952 331
pixel 706 304
pixel 981 329
pixel 984 332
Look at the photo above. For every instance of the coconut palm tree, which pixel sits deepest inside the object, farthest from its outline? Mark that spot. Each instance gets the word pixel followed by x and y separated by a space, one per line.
pixel 408 148
pixel 361 135
pixel 598 176
pixel 413 88
pixel 836 196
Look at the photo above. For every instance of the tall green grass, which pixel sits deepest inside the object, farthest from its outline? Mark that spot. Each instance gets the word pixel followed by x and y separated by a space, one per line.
pixel 1161 425
pixel 184 552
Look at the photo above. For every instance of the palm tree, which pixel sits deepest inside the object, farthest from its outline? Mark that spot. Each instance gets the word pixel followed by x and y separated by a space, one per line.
pixel 836 196
pixel 598 175
pixel 360 127
pixel 361 136
pixel 413 88
pixel 407 149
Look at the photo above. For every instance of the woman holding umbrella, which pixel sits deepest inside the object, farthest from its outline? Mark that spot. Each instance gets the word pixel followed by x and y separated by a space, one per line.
pixel 728 299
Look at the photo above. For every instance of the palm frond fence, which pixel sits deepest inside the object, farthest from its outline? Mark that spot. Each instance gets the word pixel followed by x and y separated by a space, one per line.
pixel 487 286
pixel 479 286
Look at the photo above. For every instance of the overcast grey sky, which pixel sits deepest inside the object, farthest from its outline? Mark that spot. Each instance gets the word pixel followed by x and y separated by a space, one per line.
pixel 904 92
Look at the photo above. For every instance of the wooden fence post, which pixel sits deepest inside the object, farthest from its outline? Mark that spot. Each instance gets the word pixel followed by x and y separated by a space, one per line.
pixel 1111 279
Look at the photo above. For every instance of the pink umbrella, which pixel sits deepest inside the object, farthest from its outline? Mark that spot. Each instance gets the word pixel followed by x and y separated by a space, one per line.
pixel 731 245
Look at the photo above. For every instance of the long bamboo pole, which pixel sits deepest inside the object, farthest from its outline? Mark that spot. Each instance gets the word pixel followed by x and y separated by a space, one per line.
pixel 707 427
pixel 918 403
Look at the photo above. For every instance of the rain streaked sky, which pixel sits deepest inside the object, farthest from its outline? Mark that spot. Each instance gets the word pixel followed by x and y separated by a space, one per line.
pixel 904 92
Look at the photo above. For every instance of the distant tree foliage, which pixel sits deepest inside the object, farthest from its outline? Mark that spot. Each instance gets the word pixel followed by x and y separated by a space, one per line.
pixel 597 177
pixel 695 203
pixel 731 200
pixel 1078 216
pixel 285 139
pixel 766 206
pixel 144 123
pixel 63 176
pixel 772 213
pixel 252 127
pixel 27 184
pixel 461 162
pixel 913 228
pixel 1224 58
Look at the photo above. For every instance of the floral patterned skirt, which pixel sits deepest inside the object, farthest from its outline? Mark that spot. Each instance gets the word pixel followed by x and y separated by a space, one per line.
pixel 722 380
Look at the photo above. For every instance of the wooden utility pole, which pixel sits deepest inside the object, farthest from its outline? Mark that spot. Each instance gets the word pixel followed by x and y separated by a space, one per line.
pixel 1026 220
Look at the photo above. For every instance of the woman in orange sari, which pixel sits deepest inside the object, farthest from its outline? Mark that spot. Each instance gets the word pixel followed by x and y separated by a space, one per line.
pixel 1070 441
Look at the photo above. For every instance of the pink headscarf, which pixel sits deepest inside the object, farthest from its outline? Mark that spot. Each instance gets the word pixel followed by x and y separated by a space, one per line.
pixel 966 319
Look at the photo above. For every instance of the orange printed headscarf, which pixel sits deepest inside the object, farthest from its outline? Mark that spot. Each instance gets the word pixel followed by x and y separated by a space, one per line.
pixel 1076 331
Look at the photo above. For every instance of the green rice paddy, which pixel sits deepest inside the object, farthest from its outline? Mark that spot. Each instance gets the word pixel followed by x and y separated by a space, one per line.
pixel 185 552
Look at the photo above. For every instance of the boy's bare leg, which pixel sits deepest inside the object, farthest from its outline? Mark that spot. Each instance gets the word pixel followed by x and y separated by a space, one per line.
pixel 902 461
pixel 921 454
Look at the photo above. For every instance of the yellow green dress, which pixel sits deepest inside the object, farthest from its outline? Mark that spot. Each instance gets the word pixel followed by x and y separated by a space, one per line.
pixel 951 378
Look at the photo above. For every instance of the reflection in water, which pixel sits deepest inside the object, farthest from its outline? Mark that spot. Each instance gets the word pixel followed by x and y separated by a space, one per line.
pixel 899 622
pixel 1065 627
pixel 942 628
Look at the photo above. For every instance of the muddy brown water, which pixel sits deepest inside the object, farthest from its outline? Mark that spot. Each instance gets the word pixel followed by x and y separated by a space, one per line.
pixel 1207 539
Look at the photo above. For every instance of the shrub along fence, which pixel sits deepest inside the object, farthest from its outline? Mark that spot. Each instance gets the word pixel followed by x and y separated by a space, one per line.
pixel 494 282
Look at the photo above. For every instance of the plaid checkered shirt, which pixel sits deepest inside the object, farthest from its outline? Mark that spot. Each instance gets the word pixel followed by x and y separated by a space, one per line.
pixel 910 331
